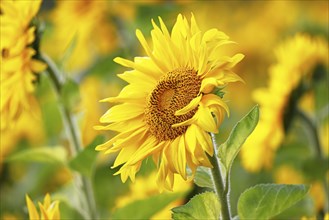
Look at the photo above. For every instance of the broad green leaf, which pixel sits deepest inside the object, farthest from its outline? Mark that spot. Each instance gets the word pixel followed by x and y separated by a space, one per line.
pixel 267 200
pixel 70 94
pixel 304 207
pixel 229 150
pixel 146 208
pixel 202 206
pixel 50 155
pixel 85 159
pixel 202 177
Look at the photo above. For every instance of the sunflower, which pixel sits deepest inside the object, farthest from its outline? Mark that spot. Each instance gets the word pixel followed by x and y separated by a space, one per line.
pixel 296 58
pixel 85 26
pixel 18 67
pixel 168 109
pixel 48 210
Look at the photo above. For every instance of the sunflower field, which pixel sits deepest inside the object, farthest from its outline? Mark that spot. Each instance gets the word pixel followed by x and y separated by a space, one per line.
pixel 164 109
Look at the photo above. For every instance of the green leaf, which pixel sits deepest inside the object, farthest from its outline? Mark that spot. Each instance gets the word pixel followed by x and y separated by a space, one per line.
pixel 267 200
pixel 304 207
pixel 229 150
pixel 70 94
pixel 202 177
pixel 146 208
pixel 202 206
pixel 85 159
pixel 49 155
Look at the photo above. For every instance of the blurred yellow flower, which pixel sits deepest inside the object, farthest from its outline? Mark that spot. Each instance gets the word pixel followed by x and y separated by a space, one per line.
pixel 92 89
pixel 168 108
pixel 308 218
pixel 138 191
pixel 270 22
pixel 48 210
pixel 18 67
pixel 90 94
pixel 85 24
pixel 296 58
pixel 318 194
pixel 21 130
pixel 7 216
pixel 286 174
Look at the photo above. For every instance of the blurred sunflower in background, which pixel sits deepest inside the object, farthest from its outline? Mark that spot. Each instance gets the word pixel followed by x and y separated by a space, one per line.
pixel 168 106
pixel 259 150
pixel 80 32
pixel 19 68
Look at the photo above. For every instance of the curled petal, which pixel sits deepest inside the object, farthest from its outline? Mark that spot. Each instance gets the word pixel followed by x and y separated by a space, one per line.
pixel 192 105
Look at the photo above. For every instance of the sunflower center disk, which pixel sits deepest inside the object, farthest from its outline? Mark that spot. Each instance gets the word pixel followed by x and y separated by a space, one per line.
pixel 174 91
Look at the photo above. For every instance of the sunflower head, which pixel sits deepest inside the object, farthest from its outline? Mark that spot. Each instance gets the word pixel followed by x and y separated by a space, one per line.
pixel 168 108
pixel 18 65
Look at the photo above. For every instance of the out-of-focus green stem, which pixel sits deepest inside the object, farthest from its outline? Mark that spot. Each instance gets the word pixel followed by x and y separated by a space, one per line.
pixel 73 134
pixel 311 125
pixel 221 189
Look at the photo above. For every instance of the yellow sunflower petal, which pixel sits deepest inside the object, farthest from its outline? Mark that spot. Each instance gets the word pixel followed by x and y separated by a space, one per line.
pixel 182 157
pixel 208 84
pixel 148 147
pixel 44 213
pixel 132 140
pixel 122 126
pixel 204 140
pixel 190 138
pixel 138 78
pixel 122 135
pixel 46 201
pixel 169 182
pixel 205 120
pixel 192 105
pixel 122 112
pixel 33 213
pixel 130 93
pixel 214 100
pixel 162 172
pixel 53 211
pixel 185 123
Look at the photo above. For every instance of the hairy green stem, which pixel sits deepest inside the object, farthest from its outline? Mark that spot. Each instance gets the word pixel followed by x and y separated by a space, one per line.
pixel 73 134
pixel 311 125
pixel 220 185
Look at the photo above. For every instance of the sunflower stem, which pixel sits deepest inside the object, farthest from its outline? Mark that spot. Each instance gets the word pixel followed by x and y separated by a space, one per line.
pixel 73 135
pixel 220 185
pixel 311 125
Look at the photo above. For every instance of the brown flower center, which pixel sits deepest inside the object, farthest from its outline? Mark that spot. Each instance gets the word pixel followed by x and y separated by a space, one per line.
pixel 174 91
